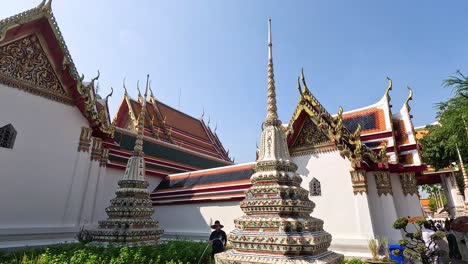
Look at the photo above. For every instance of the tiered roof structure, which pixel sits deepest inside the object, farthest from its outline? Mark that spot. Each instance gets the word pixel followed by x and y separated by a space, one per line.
pixel 51 72
pixel 130 215
pixel 277 227
pixel 221 184
pixel 174 141
pixel 372 137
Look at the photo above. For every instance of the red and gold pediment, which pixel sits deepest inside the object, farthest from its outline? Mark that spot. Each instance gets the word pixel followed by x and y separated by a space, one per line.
pixel 25 65
pixel 310 137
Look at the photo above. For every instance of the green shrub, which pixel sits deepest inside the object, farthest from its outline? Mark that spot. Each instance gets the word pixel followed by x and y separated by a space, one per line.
pixel 173 252
pixel 353 261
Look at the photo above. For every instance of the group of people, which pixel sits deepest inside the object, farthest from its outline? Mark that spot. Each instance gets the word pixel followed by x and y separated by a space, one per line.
pixel 454 243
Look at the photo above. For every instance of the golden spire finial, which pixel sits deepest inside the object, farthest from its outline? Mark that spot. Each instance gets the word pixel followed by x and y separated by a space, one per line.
pixel 272 115
pixel 410 97
pixel 389 88
pixel 138 150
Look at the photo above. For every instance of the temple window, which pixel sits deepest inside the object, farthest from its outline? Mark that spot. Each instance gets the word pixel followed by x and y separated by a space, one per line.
pixel 314 188
pixel 7 136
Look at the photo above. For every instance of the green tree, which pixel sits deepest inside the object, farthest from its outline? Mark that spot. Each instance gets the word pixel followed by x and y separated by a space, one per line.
pixel 440 144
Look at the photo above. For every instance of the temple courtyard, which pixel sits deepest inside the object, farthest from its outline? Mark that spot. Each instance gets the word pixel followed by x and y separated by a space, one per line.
pixel 119 174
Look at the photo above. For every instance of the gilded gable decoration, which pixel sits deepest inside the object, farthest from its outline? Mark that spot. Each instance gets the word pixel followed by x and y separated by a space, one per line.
pixel 359 180
pixel 310 135
pixel 96 150
pixel 383 182
pixel 408 183
pixel 85 139
pixel 348 143
pixel 44 9
pixel 24 65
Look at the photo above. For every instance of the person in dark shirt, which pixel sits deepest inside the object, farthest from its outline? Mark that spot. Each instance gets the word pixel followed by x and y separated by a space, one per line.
pixel 454 252
pixel 218 238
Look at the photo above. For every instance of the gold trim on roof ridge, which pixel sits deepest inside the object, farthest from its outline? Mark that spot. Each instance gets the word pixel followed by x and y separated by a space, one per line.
pixel 349 144
pixel 42 10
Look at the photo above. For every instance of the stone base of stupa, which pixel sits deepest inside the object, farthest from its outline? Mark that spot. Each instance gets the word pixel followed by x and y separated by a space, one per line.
pixel 125 236
pixel 234 257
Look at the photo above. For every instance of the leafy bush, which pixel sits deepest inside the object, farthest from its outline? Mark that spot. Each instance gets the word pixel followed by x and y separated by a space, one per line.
pixel 416 249
pixel 353 261
pixel 173 252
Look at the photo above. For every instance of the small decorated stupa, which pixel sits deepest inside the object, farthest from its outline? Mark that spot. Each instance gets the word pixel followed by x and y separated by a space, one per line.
pixel 130 216
pixel 277 226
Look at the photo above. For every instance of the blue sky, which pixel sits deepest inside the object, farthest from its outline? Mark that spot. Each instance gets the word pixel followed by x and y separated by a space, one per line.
pixel 214 54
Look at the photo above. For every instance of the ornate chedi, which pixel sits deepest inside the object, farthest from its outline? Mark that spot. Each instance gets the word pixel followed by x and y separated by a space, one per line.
pixel 130 214
pixel 277 227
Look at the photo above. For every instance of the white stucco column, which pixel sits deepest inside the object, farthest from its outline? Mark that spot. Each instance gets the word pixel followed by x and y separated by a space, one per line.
pixel 383 209
pixel 76 184
pixel 90 184
pixel 361 199
pixel 405 194
pixel 102 173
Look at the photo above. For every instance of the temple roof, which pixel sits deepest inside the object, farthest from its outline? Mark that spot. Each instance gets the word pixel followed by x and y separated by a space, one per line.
pixel 226 183
pixel 172 126
pixel 52 73
pixel 362 134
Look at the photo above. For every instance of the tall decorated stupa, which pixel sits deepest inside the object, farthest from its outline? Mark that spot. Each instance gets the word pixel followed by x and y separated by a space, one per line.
pixel 130 215
pixel 277 226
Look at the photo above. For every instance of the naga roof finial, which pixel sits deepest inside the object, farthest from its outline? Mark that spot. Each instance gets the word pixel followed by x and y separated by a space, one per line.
pixel 125 88
pixel 41 4
pixel 110 94
pixel 95 78
pixel 151 91
pixel 138 150
pixel 203 114
pixel 299 86
pixel 389 88
pixel 148 83
pixel 46 7
pixel 272 115
pixel 306 89
pixel 140 98
pixel 410 97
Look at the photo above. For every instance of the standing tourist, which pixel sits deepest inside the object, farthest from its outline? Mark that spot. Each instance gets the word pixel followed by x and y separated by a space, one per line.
pixel 218 238
pixel 454 252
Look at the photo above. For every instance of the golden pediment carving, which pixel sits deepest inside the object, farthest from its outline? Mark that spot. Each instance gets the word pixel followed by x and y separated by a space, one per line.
pixel 25 65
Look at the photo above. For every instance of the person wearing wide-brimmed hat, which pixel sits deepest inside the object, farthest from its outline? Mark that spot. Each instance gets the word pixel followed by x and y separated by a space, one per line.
pixel 218 238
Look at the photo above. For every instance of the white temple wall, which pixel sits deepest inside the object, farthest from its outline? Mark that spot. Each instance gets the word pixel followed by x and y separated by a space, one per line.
pixel 194 220
pixel 37 172
pixel 406 205
pixel 76 188
pixel 106 187
pixel 89 194
pixel 346 215
pixel 383 211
